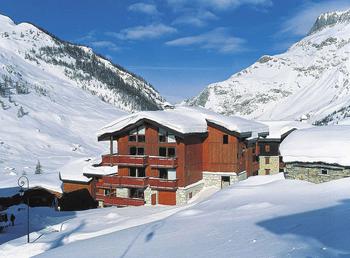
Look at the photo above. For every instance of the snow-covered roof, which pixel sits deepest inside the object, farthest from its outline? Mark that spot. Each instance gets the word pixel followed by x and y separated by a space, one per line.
pixel 327 144
pixel 77 169
pixel 186 120
pixel 277 129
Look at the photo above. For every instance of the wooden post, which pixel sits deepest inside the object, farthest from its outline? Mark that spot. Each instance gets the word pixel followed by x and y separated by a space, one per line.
pixel 111 145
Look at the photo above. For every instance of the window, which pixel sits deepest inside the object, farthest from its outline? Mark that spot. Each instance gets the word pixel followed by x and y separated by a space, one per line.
pixel 324 171
pixel 136 150
pixel 267 171
pixel 165 136
pixel 140 151
pixel 169 174
pixel 225 139
pixel 107 192
pixel 267 148
pixel 132 150
pixel 136 193
pixel 167 152
pixel 171 152
pixel 137 172
pixel 190 195
pixel 162 151
pixel 132 172
pixel 163 173
pixel 267 160
pixel 137 134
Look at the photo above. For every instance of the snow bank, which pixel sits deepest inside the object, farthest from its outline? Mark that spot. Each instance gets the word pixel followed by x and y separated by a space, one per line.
pixel 187 120
pixel 328 144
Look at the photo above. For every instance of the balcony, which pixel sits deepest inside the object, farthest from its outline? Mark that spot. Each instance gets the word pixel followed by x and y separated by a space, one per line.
pixel 160 183
pixel 162 162
pixel 124 160
pixel 122 181
pixel 119 201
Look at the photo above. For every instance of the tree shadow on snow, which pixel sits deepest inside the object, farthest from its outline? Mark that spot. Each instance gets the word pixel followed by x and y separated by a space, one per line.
pixel 329 226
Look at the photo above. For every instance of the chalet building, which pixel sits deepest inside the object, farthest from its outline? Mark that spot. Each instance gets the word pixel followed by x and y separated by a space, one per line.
pixel 166 157
pixel 270 160
pixel 318 154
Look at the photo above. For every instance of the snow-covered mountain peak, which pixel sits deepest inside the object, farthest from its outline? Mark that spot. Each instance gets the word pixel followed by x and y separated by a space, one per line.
pixel 311 79
pixel 329 19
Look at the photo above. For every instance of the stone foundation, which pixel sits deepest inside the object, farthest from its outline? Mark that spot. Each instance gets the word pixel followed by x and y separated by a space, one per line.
pixel 214 178
pixel 274 165
pixel 184 194
pixel 312 172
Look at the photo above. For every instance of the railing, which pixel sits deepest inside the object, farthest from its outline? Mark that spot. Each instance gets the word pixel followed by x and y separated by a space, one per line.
pixel 116 159
pixel 110 181
pixel 163 183
pixel 120 201
pixel 162 162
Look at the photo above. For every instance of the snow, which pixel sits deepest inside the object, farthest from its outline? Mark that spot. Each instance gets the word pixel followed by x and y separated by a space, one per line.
pixel 278 128
pixel 263 216
pixel 328 144
pixel 187 120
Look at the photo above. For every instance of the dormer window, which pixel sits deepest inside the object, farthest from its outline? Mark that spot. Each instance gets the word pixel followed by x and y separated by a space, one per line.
pixel 165 136
pixel 138 134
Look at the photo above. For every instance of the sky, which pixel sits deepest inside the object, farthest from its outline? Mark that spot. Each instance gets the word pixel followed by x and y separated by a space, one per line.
pixel 179 46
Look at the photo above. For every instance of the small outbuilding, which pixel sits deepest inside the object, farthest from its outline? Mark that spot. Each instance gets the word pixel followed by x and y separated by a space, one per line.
pixel 317 154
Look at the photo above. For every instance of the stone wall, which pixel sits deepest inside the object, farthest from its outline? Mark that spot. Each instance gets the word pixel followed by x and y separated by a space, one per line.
pixel 122 192
pixel 148 195
pixel 274 165
pixel 184 194
pixel 214 178
pixel 312 172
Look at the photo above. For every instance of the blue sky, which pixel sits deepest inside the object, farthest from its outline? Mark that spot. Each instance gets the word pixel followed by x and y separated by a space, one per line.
pixel 180 46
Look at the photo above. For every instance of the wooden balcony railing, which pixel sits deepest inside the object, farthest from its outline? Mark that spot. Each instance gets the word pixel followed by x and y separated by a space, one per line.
pixel 162 162
pixel 137 160
pixel 126 160
pixel 119 201
pixel 163 183
pixel 119 181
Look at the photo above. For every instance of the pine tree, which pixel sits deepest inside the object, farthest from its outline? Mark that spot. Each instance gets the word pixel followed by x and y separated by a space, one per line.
pixel 38 168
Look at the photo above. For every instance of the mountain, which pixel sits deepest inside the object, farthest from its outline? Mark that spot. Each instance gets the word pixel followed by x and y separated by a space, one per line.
pixel 54 96
pixel 310 80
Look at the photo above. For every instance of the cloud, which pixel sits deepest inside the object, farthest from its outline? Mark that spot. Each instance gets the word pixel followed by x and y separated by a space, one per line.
pixel 197 19
pixel 150 9
pixel 302 21
pixel 219 4
pixel 143 32
pixel 218 40
pixel 105 44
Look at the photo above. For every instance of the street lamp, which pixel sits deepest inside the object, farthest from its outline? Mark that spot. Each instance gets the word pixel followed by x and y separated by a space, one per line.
pixel 23 182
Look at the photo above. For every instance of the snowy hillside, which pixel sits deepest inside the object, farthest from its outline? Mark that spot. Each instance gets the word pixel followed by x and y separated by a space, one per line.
pixel 50 103
pixel 310 79
pixel 24 48
pixel 263 216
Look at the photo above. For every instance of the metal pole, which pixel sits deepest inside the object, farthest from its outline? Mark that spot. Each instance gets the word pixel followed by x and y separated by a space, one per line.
pixel 27 219
pixel 24 181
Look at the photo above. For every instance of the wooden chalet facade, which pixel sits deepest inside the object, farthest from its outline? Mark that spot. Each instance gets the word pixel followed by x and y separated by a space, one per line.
pixel 158 162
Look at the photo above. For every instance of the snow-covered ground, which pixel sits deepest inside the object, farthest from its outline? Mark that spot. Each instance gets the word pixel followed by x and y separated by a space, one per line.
pixel 264 216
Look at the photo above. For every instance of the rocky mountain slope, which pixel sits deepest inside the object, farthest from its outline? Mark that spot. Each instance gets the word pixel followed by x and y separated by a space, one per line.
pixel 310 80
pixel 54 96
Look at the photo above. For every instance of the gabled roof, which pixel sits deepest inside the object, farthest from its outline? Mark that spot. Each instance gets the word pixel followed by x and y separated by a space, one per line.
pixel 186 120
pixel 324 144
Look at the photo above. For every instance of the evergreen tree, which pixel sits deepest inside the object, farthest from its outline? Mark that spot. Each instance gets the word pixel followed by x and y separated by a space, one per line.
pixel 38 168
